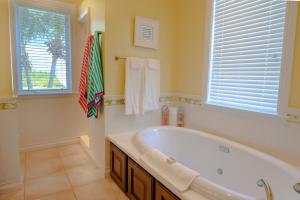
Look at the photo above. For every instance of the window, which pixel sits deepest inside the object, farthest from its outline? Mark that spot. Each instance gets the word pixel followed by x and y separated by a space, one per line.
pixel 43 51
pixel 247 54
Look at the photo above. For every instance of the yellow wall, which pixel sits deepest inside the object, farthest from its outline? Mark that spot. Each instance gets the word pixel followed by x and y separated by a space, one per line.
pixel 5 72
pixel 119 27
pixel 295 88
pixel 181 43
pixel 189 55
pixel 5 64
pixel 190 28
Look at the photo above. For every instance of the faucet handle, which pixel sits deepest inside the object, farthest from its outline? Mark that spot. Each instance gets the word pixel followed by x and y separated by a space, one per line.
pixel 171 160
pixel 267 187
pixel 297 187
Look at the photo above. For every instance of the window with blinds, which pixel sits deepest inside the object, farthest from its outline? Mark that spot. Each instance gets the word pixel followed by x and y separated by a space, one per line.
pixel 247 44
pixel 43 51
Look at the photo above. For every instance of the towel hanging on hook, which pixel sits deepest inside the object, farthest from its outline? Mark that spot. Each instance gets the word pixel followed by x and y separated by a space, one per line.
pixel 92 73
pixel 83 87
pixel 98 32
pixel 95 94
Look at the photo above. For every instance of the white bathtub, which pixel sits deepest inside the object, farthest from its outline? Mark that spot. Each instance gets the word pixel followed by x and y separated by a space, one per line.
pixel 228 170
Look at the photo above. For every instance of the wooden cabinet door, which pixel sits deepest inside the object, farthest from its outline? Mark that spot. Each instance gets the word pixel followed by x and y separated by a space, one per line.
pixel 140 182
pixel 162 193
pixel 118 164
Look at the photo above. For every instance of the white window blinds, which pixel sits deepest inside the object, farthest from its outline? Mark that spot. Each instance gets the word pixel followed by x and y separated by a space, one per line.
pixel 246 52
pixel 43 51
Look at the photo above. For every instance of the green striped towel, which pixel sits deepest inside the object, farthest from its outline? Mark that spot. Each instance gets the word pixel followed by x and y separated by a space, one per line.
pixel 95 92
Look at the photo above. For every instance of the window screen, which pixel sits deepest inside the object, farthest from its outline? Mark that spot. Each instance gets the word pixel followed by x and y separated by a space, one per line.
pixel 43 51
pixel 247 43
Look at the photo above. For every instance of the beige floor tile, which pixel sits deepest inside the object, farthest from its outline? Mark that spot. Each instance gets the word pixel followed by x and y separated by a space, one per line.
pixel 46 167
pixel 84 174
pixel 102 189
pixel 72 149
pixel 77 160
pixel 23 163
pixel 53 183
pixel 18 195
pixel 42 155
pixel 64 195
pixel 22 157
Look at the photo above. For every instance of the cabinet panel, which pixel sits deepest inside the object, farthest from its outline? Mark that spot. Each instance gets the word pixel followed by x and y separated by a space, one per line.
pixel 162 193
pixel 134 180
pixel 140 182
pixel 118 164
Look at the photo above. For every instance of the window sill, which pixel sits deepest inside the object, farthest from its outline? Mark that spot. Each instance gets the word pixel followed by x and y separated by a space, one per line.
pixel 47 96
pixel 242 113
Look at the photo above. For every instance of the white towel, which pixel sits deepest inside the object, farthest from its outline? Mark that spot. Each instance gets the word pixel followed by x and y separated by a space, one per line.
pixel 176 174
pixel 134 85
pixel 151 85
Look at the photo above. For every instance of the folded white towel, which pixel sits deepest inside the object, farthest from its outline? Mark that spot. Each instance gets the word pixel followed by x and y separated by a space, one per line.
pixel 152 85
pixel 212 190
pixel 176 174
pixel 134 85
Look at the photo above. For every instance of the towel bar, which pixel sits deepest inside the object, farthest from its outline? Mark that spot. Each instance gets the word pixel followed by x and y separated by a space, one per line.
pixel 119 58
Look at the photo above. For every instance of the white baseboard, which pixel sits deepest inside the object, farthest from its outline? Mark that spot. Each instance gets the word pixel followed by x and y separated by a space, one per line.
pixel 60 142
pixel 294 111
pixel 11 187
pixel 84 142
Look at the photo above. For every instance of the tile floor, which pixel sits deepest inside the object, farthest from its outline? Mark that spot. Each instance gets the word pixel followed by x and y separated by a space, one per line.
pixel 63 173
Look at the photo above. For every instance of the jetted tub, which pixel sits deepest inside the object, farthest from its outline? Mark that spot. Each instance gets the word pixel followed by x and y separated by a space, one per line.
pixel 228 170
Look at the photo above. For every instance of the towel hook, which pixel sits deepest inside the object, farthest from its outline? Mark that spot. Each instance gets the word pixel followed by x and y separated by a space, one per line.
pixel 119 58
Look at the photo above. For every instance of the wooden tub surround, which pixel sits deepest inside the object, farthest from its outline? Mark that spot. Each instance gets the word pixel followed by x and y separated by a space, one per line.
pixel 135 181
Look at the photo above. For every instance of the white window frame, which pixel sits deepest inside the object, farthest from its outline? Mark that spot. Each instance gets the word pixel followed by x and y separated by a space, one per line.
pixel 287 60
pixel 49 5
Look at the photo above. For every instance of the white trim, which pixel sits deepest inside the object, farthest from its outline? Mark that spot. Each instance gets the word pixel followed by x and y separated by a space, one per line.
pixel 12 35
pixel 51 5
pixel 11 187
pixel 84 16
pixel 47 96
pixel 293 111
pixel 59 142
pixel 241 113
pixel 45 92
pixel 207 45
pixel 287 58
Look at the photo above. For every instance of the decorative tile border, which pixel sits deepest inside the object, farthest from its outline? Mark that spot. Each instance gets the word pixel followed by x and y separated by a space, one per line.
pixel 8 103
pixel 8 106
pixel 119 100
pixel 114 102
pixel 167 99
pixel 188 100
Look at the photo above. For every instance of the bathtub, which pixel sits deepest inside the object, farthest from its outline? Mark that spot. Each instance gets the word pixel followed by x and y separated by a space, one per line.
pixel 228 170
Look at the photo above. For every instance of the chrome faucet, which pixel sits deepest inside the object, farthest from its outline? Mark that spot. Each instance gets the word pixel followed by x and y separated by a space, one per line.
pixel 297 187
pixel 265 184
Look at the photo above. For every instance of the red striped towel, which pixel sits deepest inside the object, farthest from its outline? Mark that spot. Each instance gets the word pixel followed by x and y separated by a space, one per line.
pixel 83 87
